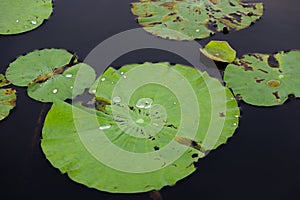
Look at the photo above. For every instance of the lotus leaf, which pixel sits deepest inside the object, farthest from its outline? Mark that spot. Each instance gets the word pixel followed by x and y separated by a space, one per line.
pixel 7 101
pixel 50 74
pixel 265 80
pixel 150 123
pixel 18 16
pixel 219 51
pixel 192 19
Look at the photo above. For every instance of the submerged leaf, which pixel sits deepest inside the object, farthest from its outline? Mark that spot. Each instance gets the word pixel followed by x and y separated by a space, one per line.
pixel 7 101
pixel 219 51
pixel 156 120
pixel 265 80
pixel 190 19
pixel 50 74
pixel 18 16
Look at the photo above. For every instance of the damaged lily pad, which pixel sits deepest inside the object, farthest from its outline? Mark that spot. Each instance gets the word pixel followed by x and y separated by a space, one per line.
pixel 145 131
pixel 265 80
pixel 190 19
pixel 3 81
pixel 51 74
pixel 7 102
pixel 19 16
pixel 219 51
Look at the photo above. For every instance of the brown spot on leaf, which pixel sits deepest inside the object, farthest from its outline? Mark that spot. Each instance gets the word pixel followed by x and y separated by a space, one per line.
pixel 155 23
pixel 273 83
pixel 172 13
pixel 148 14
pixel 214 1
pixel 43 78
pixel 257 56
pixel 12 102
pixel 178 19
pixel 246 66
pixel 9 91
pixel 169 5
pixel 189 142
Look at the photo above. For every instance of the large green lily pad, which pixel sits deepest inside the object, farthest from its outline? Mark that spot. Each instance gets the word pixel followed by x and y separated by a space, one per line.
pixel 219 51
pixel 151 122
pixel 265 80
pixel 190 19
pixel 18 16
pixel 7 101
pixel 50 74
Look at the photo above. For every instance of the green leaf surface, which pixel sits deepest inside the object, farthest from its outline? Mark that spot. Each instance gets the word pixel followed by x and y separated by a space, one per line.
pixel 219 51
pixel 18 16
pixel 190 19
pixel 265 80
pixel 7 102
pixel 3 81
pixel 157 121
pixel 50 74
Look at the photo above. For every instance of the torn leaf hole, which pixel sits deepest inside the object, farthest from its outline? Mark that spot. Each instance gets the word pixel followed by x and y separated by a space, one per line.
pixel 291 96
pixel 225 30
pixel 273 62
pixel 276 94
pixel 195 155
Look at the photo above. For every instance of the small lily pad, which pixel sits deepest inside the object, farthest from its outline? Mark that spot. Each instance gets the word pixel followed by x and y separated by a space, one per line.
pixel 265 80
pixel 219 51
pixel 190 19
pixel 7 101
pixel 156 120
pixel 18 16
pixel 50 74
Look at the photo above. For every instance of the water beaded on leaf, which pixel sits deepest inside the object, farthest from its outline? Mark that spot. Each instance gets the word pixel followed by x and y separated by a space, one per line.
pixel 144 131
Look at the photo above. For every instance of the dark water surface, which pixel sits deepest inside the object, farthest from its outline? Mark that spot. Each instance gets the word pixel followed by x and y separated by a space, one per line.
pixel 261 161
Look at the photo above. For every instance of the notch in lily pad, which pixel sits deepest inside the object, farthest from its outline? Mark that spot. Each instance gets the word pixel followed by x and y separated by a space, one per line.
pixel 190 19
pixel 219 51
pixel 145 132
pixel 18 16
pixel 51 74
pixel 7 98
pixel 263 79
